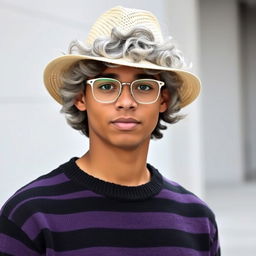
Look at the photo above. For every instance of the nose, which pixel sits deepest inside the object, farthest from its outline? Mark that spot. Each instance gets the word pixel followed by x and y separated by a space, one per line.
pixel 126 100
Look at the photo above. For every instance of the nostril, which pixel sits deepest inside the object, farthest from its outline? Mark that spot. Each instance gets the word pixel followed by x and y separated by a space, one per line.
pixel 126 100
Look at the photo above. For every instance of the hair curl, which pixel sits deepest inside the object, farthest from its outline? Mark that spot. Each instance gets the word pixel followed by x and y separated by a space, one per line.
pixel 137 45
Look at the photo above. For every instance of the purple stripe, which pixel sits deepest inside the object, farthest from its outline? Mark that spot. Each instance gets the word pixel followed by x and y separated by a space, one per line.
pixel 182 198
pixel 117 220
pixel 171 182
pixel 80 194
pixel 58 179
pixel 12 246
pixel 117 251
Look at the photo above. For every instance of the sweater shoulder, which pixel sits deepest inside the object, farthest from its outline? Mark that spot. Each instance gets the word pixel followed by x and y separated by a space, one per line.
pixel 46 185
pixel 177 193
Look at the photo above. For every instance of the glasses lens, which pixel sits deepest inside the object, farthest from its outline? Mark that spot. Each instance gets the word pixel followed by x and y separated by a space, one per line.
pixel 145 90
pixel 106 89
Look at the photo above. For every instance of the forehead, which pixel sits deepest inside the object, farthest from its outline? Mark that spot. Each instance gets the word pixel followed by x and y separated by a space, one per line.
pixel 125 72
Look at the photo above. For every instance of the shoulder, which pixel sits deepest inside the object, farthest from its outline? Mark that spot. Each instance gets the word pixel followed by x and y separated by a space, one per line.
pixel 192 203
pixel 180 193
pixel 194 213
pixel 24 200
pixel 176 195
pixel 188 207
pixel 179 201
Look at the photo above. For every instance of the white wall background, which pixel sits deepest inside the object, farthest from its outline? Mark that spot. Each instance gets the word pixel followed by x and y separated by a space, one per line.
pixel 34 137
pixel 248 53
pixel 221 97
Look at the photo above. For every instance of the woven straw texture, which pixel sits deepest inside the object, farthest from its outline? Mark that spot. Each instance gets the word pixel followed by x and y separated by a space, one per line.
pixel 125 20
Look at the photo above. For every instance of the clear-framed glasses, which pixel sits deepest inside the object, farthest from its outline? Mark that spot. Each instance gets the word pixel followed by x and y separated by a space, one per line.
pixel 107 90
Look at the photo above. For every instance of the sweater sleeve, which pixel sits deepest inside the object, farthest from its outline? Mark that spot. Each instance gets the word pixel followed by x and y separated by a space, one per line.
pixel 13 240
pixel 215 247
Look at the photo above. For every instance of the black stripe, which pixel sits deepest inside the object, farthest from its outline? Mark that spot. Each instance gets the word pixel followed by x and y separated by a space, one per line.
pixel 218 253
pixel 105 204
pixel 5 254
pixel 72 240
pixel 54 190
pixel 182 190
pixel 9 228
pixel 215 239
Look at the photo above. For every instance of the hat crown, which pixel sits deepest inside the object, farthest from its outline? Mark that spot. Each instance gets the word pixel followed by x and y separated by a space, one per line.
pixel 124 19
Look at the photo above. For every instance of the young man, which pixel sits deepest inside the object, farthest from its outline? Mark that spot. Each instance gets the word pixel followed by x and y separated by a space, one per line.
pixel 116 89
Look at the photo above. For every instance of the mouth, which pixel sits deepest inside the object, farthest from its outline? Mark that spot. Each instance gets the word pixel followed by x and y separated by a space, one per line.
pixel 125 123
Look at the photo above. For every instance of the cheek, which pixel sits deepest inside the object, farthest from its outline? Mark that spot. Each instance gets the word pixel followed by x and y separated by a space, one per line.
pixel 93 112
pixel 98 115
pixel 152 118
pixel 94 115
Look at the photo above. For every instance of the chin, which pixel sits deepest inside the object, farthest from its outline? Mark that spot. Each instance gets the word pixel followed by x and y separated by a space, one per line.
pixel 129 142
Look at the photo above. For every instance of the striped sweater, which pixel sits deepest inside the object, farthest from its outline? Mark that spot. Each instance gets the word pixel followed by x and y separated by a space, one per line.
pixel 70 213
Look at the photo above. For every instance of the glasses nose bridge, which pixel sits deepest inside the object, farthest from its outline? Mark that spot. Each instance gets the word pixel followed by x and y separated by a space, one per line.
pixel 122 86
pixel 128 93
pixel 125 83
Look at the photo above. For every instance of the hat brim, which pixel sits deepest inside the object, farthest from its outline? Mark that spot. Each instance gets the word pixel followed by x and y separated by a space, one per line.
pixel 53 72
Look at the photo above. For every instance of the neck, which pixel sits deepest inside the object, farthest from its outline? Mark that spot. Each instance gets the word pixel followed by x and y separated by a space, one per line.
pixel 123 166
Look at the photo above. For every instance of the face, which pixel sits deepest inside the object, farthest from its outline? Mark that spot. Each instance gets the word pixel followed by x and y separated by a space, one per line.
pixel 123 123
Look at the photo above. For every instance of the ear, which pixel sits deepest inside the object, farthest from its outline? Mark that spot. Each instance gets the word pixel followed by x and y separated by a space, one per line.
pixel 80 102
pixel 165 100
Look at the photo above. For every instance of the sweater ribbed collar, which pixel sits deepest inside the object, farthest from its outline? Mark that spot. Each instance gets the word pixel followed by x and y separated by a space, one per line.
pixel 113 190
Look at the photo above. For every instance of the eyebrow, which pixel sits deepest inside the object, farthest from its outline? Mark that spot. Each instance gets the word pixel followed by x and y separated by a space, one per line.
pixel 110 75
pixel 143 76
pixel 116 76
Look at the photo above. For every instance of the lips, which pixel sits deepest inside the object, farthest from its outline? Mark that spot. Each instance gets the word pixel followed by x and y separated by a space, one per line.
pixel 125 123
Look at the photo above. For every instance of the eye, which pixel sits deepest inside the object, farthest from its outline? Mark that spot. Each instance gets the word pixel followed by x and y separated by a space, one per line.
pixel 106 87
pixel 144 87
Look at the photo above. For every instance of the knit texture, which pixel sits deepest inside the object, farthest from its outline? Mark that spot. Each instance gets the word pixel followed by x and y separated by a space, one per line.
pixel 70 213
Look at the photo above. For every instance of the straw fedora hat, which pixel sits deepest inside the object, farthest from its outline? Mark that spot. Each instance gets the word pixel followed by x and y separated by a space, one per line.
pixel 124 19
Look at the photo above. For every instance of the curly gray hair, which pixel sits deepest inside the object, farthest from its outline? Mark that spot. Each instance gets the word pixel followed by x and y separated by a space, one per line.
pixel 137 45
